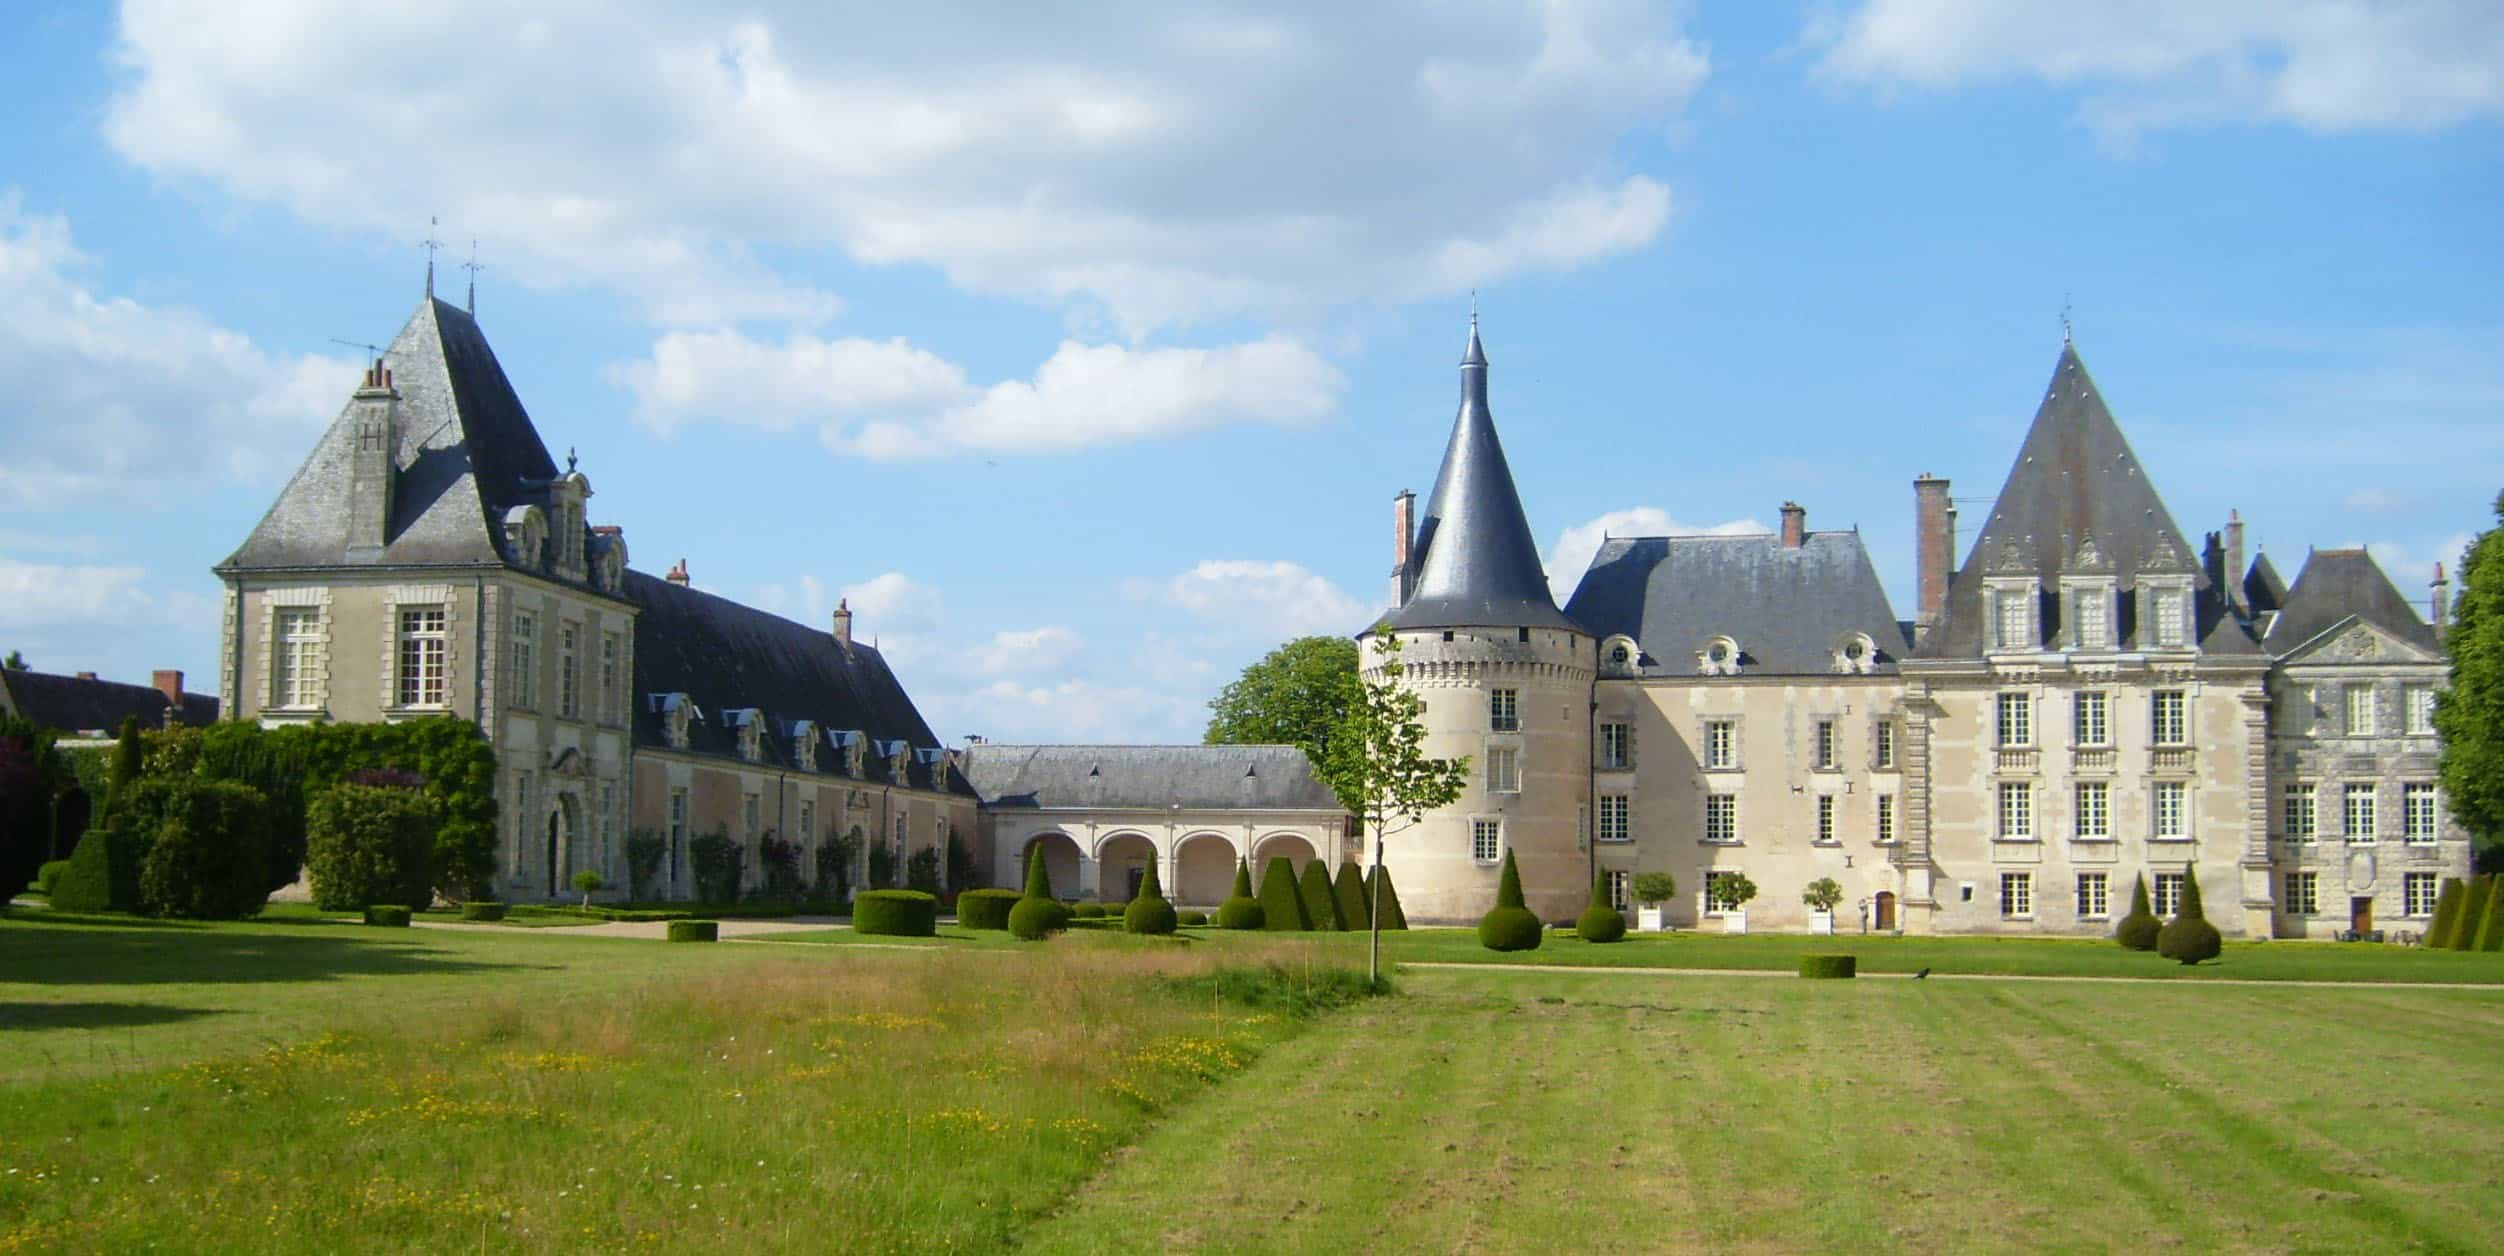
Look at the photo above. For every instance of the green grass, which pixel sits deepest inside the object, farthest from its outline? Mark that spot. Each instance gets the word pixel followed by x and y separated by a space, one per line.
pixel 1505 1111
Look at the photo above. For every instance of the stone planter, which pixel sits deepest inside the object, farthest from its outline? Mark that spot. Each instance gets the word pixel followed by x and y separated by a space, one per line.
pixel 1734 922
pixel 1652 918
pixel 1821 922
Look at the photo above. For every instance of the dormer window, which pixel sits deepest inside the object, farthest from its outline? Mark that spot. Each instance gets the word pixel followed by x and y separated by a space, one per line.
pixel 1719 657
pixel 2091 616
pixel 1855 654
pixel 855 752
pixel 750 724
pixel 677 712
pixel 2165 614
pixel 526 537
pixel 2013 604
pixel 804 745
pixel 1619 656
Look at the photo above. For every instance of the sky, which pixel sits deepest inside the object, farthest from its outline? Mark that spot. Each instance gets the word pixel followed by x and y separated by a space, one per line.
pixel 1084 350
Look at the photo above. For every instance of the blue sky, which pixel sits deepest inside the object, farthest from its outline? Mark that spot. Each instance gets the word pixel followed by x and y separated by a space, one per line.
pixel 1086 353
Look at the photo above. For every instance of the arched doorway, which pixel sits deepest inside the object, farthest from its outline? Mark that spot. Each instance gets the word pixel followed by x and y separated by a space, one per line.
pixel 1886 911
pixel 1121 863
pixel 1298 852
pixel 1204 869
pixel 560 843
pixel 1060 862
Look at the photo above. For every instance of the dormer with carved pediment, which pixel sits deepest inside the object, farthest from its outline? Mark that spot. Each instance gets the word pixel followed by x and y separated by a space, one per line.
pixel 2165 610
pixel 804 745
pixel 2012 595
pixel 2089 584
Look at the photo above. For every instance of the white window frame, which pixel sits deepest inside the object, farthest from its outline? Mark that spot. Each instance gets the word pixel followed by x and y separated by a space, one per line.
pixel 1826 820
pixel 1504 710
pixel 1504 770
pixel 2303 893
pixel 1617 818
pixel 1714 904
pixel 2094 618
pixel 2361 720
pixel 2012 619
pixel 569 669
pixel 808 823
pixel 2418 891
pixel 2016 811
pixel 2167 889
pixel 2419 823
pixel 2012 720
pixel 2091 722
pixel 1721 812
pixel 612 652
pixel 2094 895
pixel 2094 807
pixel 1886 819
pixel 1619 882
pixel 2017 896
pixel 2172 607
pixel 1882 744
pixel 2300 811
pixel 1721 745
pixel 2419 700
pixel 2169 717
pixel 1617 745
pixel 525 660
pixel 2169 811
pixel 295 658
pixel 420 677
pixel 2360 813
pixel 1823 745
pixel 1486 840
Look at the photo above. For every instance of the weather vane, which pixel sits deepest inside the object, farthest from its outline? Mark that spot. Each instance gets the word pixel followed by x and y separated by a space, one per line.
pixel 431 244
pixel 569 464
pixel 2064 318
pixel 473 266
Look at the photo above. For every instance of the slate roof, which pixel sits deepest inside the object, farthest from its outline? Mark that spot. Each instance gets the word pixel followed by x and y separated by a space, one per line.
pixel 2076 478
pixel 94 708
pixel 467 454
pixel 1475 563
pixel 2339 583
pixel 1786 608
pixel 1129 778
pixel 726 657
pixel 2263 589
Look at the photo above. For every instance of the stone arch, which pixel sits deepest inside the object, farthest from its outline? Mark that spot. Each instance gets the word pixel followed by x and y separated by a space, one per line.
pixel 559 854
pixel 1298 849
pixel 1061 861
pixel 1120 858
pixel 1204 870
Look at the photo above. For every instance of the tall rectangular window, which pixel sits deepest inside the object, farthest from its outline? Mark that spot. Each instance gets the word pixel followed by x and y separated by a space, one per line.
pixel 2417 823
pixel 1617 746
pixel 1504 710
pixel 2014 724
pixel 2169 803
pixel 1721 818
pixel 1616 818
pixel 2089 724
pixel 2360 711
pixel 421 656
pixel 295 657
pixel 1826 820
pixel 521 816
pixel 1717 896
pixel 1822 745
pixel 1882 744
pixel 569 671
pixel 1486 840
pixel 749 818
pixel 808 823
pixel 2168 894
pixel 2359 812
pixel 2094 607
pixel 2169 619
pixel 2016 811
pixel 610 651
pixel 1886 819
pixel 607 821
pixel 2419 699
pixel 2303 893
pixel 677 834
pixel 525 660
pixel 2417 893
pixel 2169 722
pixel 2095 811
pixel 2094 895
pixel 1504 770
pixel 2302 812
pixel 2016 620
pixel 1618 879
pixel 2017 895
pixel 1721 744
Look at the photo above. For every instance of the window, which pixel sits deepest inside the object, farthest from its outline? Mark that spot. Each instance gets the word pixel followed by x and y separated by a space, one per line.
pixel 2094 616
pixel 2419 699
pixel 1504 770
pixel 607 822
pixel 808 823
pixel 2168 802
pixel 1822 745
pixel 748 813
pixel 1616 813
pixel 2417 812
pixel 2017 895
pixel 1617 746
pixel 2168 721
pixel 2088 725
pixel 2417 893
pixel 1504 710
pixel 295 657
pixel 1886 819
pixel 1721 744
pixel 525 660
pixel 1486 840
pixel 677 832
pixel 1826 820
pixel 1721 818
pixel 521 816
pixel 1882 743
pixel 2168 893
pixel 2169 617
pixel 2359 801
pixel 2303 893
pixel 610 651
pixel 569 671
pixel 2300 816
pixel 2094 895
pixel 1618 880
pixel 2016 619
pixel 421 656
pixel 2095 811
pixel 1717 898
pixel 2016 720
pixel 2360 711
pixel 2016 811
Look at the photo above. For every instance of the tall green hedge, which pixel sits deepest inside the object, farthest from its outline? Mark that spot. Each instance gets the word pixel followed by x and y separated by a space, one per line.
pixel 2473 912
pixel 2189 938
pixel 1149 913
pixel 896 913
pixel 1389 902
pixel 985 909
pixel 1240 910
pixel 368 844
pixel 210 859
pixel 1349 888
pixel 1601 921
pixel 1282 903
pixel 2138 930
pixel 1320 905
pixel 1509 926
pixel 2447 916
pixel 2491 925
pixel 103 875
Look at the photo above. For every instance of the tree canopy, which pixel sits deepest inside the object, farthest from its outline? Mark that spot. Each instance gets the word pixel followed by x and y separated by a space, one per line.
pixel 1297 695
pixel 2470 717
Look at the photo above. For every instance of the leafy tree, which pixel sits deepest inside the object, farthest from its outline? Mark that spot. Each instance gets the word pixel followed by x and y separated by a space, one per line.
pixel 16 662
pixel 2138 930
pixel 964 872
pixel 1379 767
pixel 1282 903
pixel 1822 894
pixel 1601 921
pixel 30 773
pixel 645 849
pixel 590 883
pixel 921 871
pixel 719 865
pixel 369 844
pixel 1510 926
pixel 128 761
pixel 1320 905
pixel 2189 937
pixel 1297 695
pixel 1655 887
pixel 2470 715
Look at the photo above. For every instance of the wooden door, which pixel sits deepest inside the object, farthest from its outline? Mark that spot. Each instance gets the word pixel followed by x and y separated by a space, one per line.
pixel 2361 914
pixel 1886 911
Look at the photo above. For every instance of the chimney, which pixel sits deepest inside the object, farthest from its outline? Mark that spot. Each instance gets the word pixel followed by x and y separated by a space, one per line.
pixel 1934 551
pixel 168 681
pixel 373 462
pixel 1794 524
pixel 1403 529
pixel 86 676
pixel 2234 564
pixel 678 574
pixel 2441 604
pixel 843 622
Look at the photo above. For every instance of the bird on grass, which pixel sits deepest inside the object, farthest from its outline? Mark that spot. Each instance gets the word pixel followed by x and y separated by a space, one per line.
pixel 1919 975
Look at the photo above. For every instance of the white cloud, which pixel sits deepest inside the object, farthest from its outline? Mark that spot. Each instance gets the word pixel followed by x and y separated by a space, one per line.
pixel 1571 555
pixel 1164 167
pixel 1067 711
pixel 2324 65
pixel 2411 567
pixel 98 596
pixel 1020 652
pixel 893 601
pixel 111 399
pixel 1274 600
pixel 727 377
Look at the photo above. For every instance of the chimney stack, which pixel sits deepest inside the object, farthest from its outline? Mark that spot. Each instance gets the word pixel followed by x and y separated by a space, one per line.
pixel 168 681
pixel 843 622
pixel 678 574
pixel 1404 530
pixel 2234 564
pixel 2441 604
pixel 373 463
pixel 1794 524
pixel 1934 552
pixel 85 676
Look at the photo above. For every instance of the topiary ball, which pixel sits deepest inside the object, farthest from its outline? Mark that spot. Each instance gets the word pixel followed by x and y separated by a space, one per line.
pixel 695 930
pixel 2139 933
pixel 1601 923
pixel 985 909
pixel 1239 913
pixel 1151 916
pixel 482 910
pixel 1193 919
pixel 1033 919
pixel 388 915
pixel 895 913
pixel 1829 966
pixel 2189 940
pixel 1511 929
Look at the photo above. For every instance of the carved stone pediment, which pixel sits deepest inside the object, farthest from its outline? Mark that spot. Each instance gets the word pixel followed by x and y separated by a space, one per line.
pixel 2090 557
pixel 2356 641
pixel 2165 558
pixel 2010 559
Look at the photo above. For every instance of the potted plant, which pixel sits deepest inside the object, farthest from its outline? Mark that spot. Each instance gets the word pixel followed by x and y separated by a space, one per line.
pixel 1733 890
pixel 1821 895
pixel 1652 891
pixel 589 883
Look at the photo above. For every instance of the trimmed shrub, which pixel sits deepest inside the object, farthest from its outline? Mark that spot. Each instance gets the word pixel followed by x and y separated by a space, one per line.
pixel 2447 916
pixel 896 913
pixel 1282 904
pixel 1822 967
pixel 49 873
pixel 1240 910
pixel 695 930
pixel 985 909
pixel 1320 905
pixel 1822 894
pixel 2474 897
pixel 1193 919
pixel 387 916
pixel 482 909
pixel 1389 902
pixel 369 844
pixel 100 863
pixel 1088 910
pixel 1149 914
pixel 1654 887
pixel 1509 926
pixel 1349 889
pixel 2138 930
pixel 1037 914
pixel 211 855
pixel 2189 937
pixel 1601 921
pixel 2491 927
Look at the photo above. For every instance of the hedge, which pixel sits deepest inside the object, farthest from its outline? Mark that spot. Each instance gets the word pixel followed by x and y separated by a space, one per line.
pixel 1282 904
pixel 2474 898
pixel 1829 966
pixel 1601 921
pixel 896 913
pixel 49 873
pixel 2189 937
pixel 387 915
pixel 1509 926
pixel 1149 914
pixel 1240 910
pixel 985 909
pixel 1320 905
pixel 210 857
pixel 85 882
pixel 2138 930
pixel 2491 928
pixel 1193 919
pixel 1389 903
pixel 370 844
pixel 2447 916
pixel 695 930
pixel 482 909
pixel 1349 889
pixel 1037 914
pixel 1088 910
pixel 31 775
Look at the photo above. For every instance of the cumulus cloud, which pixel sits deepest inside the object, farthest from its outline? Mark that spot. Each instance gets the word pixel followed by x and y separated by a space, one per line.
pixel 1571 555
pixel 1067 711
pixel 1020 652
pixel 2324 65
pixel 2411 565
pixel 94 385
pixel 1274 599
pixel 1162 166
pixel 35 595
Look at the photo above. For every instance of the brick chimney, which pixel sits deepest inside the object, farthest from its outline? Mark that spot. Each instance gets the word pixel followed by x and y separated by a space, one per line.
pixel 85 676
pixel 843 622
pixel 2441 604
pixel 373 462
pixel 1794 524
pixel 1934 552
pixel 168 681
pixel 2234 564
pixel 678 573
pixel 1403 531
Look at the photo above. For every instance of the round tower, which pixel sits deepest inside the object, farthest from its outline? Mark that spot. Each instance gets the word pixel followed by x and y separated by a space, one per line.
pixel 1507 683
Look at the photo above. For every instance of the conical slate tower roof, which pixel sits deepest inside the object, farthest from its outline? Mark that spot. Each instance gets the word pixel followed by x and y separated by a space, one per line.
pixel 1475 562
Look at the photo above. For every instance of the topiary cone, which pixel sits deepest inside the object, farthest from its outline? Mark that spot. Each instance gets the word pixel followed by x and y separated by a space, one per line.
pixel 2491 929
pixel 2473 913
pixel 1149 913
pixel 2138 930
pixel 1389 903
pixel 1282 903
pixel 2447 915
pixel 1510 926
pixel 1037 914
pixel 1349 889
pixel 1320 905
pixel 2189 938
pixel 1240 910
pixel 1601 921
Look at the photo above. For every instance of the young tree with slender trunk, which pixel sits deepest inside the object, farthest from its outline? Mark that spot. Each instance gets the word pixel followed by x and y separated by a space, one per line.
pixel 1378 762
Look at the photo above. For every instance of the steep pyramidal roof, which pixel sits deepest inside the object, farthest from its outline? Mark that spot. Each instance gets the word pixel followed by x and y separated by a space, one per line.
pixel 2263 589
pixel 2076 480
pixel 2336 584
pixel 1476 564
pixel 467 453
pixel 1790 609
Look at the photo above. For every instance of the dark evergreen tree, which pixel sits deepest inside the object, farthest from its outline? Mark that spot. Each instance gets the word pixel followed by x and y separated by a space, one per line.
pixel 2473 913
pixel 2138 930
pixel 1320 905
pixel 1601 921
pixel 1149 913
pixel 1349 889
pixel 2189 938
pixel 1038 914
pixel 1388 902
pixel 2447 916
pixel 1282 903
pixel 1509 926
pixel 1240 910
